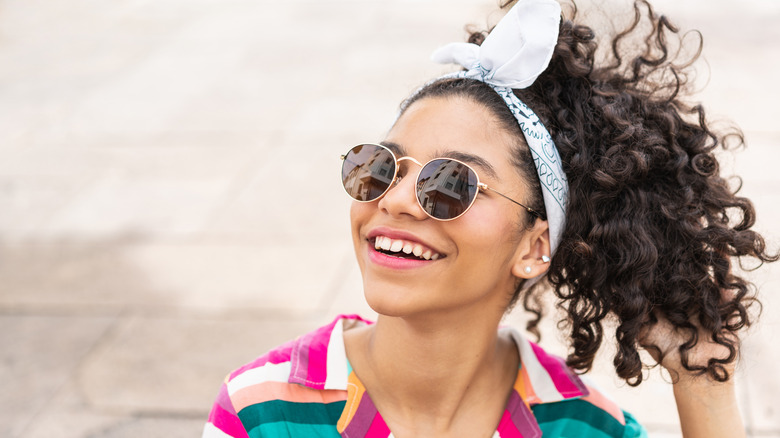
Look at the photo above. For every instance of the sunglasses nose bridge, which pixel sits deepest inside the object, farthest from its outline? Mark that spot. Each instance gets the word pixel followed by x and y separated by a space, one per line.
pixel 410 159
pixel 398 168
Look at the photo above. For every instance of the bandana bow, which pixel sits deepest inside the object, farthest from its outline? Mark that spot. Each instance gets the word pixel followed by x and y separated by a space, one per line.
pixel 515 52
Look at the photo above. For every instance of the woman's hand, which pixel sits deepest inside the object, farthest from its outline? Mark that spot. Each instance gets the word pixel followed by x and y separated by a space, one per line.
pixel 663 340
pixel 707 408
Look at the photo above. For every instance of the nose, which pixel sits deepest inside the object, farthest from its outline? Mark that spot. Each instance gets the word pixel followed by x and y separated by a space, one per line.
pixel 401 199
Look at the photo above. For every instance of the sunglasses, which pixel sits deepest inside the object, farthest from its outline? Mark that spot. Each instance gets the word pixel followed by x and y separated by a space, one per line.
pixel 445 188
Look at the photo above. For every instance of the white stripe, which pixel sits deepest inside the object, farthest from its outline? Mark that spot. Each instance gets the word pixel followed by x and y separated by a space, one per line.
pixel 270 372
pixel 211 431
pixel 540 379
pixel 496 435
pixel 336 371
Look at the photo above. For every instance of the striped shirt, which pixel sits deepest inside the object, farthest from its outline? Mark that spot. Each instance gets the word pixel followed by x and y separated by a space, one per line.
pixel 306 388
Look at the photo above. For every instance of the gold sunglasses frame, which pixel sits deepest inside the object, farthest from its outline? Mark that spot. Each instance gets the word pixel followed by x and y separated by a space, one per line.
pixel 395 179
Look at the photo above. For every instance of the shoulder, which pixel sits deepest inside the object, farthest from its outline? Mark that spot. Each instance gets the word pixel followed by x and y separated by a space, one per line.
pixel 565 403
pixel 593 415
pixel 298 385
pixel 315 360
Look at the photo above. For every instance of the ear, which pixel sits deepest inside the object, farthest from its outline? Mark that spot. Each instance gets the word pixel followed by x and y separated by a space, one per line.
pixel 533 251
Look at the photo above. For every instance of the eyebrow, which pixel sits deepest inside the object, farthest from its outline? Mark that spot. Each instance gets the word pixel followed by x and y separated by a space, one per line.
pixel 396 148
pixel 467 158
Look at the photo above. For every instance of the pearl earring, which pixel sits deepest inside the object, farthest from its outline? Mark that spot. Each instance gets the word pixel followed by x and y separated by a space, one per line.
pixel 527 269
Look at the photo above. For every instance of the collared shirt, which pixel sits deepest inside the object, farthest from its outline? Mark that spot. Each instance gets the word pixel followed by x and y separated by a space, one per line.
pixel 307 388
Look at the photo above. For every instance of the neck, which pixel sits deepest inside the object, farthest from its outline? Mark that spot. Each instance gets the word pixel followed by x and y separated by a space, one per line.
pixel 426 370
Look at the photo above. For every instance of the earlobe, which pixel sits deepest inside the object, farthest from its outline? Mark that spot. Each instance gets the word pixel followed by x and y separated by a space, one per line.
pixel 533 252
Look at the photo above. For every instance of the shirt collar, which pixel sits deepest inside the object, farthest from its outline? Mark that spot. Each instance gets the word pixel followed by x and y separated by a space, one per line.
pixel 319 361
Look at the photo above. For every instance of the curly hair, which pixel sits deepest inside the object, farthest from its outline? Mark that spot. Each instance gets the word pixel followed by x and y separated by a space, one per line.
pixel 652 228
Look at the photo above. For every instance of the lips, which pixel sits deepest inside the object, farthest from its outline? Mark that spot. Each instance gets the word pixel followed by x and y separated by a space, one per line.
pixel 400 249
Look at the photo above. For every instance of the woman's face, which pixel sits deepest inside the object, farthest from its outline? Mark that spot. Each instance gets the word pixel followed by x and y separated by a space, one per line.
pixel 475 259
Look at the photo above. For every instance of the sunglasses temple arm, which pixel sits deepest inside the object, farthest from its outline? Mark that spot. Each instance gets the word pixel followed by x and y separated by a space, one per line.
pixel 528 209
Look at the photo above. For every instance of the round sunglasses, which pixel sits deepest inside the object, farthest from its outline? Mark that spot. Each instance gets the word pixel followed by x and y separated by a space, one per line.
pixel 445 188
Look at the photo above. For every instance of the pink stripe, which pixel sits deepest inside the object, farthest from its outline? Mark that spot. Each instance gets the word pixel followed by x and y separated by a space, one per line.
pixel 223 399
pixel 227 422
pixel 522 417
pixel 310 357
pixel 568 384
pixel 280 354
pixel 378 428
pixel 362 419
pixel 506 428
pixel 318 356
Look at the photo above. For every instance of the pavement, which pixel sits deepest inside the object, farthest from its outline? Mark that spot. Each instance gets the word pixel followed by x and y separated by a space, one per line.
pixel 170 206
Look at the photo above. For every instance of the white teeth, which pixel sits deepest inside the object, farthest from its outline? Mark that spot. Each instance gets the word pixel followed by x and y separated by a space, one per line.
pixel 387 244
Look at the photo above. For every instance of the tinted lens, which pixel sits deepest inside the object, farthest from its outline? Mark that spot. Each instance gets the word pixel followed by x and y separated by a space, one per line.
pixel 446 188
pixel 367 171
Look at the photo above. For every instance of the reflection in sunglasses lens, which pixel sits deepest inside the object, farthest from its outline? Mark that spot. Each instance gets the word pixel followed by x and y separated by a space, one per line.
pixel 446 188
pixel 367 172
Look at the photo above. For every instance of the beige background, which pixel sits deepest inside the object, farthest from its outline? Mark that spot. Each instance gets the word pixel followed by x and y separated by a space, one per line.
pixel 149 152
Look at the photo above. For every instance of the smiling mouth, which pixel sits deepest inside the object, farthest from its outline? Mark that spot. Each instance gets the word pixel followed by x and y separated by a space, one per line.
pixel 404 249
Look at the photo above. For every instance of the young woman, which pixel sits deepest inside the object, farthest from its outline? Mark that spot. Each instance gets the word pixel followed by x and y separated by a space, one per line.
pixel 536 162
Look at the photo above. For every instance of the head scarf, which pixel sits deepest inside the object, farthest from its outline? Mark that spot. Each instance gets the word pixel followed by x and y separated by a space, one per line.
pixel 513 55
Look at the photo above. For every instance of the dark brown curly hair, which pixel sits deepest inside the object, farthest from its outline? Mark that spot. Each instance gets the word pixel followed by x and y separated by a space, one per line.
pixel 652 229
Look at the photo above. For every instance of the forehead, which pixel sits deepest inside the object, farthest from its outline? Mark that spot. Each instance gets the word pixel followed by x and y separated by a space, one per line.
pixel 446 127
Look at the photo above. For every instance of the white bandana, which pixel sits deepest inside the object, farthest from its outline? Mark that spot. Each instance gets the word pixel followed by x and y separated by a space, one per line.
pixel 513 55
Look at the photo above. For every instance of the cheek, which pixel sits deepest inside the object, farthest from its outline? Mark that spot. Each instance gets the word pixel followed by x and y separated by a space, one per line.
pixel 492 232
pixel 356 215
pixel 359 215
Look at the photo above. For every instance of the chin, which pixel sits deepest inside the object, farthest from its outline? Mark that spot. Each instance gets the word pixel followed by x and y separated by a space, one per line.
pixel 393 300
pixel 386 305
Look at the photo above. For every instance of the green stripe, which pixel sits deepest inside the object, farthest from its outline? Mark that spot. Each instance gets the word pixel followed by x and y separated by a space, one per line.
pixel 294 430
pixel 576 418
pixel 289 415
pixel 633 428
